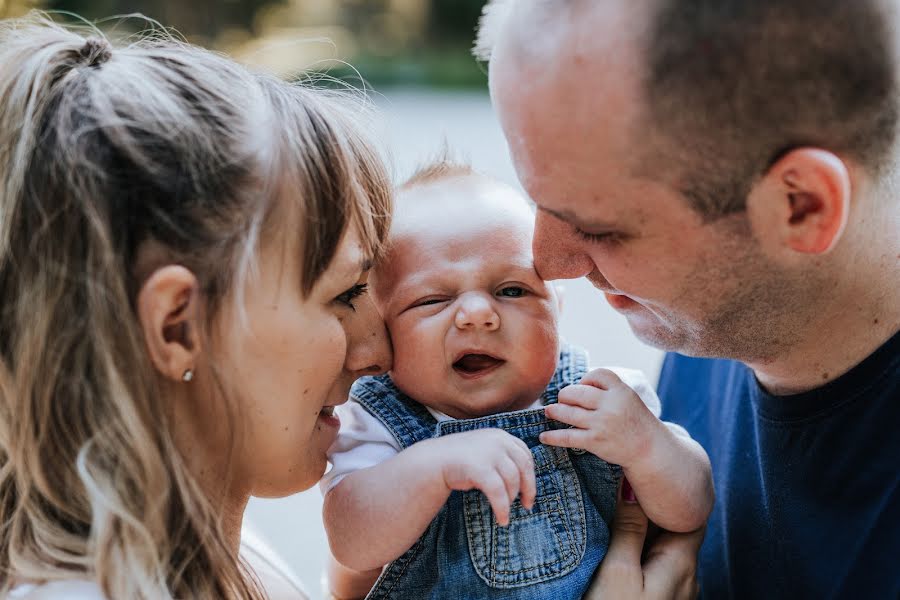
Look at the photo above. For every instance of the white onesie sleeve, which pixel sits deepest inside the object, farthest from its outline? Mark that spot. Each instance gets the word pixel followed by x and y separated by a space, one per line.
pixel 362 442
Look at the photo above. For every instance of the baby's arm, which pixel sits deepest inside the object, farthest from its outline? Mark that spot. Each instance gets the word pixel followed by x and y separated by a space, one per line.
pixel 668 471
pixel 375 514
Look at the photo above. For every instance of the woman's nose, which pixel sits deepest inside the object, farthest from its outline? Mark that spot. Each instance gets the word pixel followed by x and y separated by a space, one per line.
pixel 369 349
pixel 476 311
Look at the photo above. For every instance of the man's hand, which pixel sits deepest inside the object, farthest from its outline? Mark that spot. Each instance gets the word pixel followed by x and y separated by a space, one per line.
pixel 669 567
pixel 491 460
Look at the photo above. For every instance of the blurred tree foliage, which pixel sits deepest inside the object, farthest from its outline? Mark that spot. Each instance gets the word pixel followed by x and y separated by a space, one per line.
pixel 453 21
pixel 421 42
pixel 204 19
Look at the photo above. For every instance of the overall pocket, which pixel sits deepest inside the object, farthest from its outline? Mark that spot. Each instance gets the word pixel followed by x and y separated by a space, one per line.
pixel 536 546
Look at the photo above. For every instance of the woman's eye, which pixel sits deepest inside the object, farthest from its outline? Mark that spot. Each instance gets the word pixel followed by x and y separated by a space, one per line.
pixel 352 294
pixel 512 291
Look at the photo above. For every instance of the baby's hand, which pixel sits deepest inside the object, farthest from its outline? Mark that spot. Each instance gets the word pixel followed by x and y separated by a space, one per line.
pixel 491 460
pixel 608 418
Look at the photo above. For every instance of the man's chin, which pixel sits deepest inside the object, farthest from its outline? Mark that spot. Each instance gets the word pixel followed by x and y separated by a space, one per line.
pixel 649 330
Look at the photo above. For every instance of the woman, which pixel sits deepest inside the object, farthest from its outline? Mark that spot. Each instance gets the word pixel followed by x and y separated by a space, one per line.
pixel 183 247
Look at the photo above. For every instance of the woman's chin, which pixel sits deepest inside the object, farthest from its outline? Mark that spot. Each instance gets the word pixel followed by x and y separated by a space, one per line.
pixel 295 480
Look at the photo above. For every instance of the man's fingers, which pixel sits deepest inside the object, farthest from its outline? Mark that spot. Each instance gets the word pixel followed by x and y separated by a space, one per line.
pixel 675 553
pixel 627 535
pixel 566 438
pixel 570 415
pixel 670 565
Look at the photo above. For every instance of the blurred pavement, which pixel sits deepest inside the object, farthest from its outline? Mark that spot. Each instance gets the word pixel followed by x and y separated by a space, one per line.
pixel 416 124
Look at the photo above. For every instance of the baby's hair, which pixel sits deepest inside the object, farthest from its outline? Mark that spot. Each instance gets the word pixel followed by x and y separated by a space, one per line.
pixel 104 150
pixel 443 166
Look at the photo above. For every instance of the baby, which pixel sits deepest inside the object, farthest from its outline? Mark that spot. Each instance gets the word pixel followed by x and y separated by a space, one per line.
pixel 486 463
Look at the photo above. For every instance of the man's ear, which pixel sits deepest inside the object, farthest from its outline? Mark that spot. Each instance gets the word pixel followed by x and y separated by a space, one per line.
pixel 168 307
pixel 803 201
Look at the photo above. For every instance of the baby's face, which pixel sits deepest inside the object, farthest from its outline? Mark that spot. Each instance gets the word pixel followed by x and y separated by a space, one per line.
pixel 473 326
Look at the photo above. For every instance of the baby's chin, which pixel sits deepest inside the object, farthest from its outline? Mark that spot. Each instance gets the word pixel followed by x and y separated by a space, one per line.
pixel 473 408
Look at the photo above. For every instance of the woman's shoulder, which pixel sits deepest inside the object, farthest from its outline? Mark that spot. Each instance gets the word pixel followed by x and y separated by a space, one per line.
pixel 58 590
pixel 276 577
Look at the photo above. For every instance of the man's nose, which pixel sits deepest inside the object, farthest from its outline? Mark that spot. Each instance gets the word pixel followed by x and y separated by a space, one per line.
pixel 369 350
pixel 557 254
pixel 476 311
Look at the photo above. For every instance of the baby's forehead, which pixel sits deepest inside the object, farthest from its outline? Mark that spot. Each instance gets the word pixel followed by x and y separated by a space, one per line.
pixel 459 223
pixel 460 203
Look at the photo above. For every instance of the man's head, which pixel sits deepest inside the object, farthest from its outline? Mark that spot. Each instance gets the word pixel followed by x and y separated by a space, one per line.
pixel 473 325
pixel 699 161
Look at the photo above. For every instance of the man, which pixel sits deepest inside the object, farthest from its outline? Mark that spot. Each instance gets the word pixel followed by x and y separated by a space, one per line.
pixel 725 173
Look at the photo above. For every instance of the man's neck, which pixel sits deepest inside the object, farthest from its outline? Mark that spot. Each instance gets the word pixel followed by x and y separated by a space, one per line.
pixel 834 344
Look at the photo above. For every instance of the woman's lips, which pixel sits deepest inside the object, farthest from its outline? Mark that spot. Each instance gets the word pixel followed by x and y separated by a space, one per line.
pixel 473 366
pixel 328 418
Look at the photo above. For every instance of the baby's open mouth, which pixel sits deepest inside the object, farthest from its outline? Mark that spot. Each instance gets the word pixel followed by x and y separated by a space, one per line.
pixel 476 364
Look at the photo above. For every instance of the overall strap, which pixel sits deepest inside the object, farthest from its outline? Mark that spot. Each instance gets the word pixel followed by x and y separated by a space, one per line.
pixel 570 368
pixel 407 420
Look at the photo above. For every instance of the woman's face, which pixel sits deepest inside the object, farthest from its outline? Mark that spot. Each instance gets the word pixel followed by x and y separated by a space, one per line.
pixel 293 361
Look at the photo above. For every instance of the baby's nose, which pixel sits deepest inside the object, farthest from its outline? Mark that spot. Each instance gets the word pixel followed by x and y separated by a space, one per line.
pixel 476 311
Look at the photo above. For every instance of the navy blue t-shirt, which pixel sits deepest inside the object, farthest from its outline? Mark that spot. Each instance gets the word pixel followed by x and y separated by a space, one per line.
pixel 808 486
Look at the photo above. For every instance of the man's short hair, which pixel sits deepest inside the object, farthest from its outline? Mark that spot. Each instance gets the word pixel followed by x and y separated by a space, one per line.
pixel 731 85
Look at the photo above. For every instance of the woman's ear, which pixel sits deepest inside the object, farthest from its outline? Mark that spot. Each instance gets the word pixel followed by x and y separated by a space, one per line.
pixel 803 201
pixel 168 307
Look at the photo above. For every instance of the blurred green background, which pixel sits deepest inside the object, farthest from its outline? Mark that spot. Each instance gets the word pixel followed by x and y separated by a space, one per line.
pixel 390 42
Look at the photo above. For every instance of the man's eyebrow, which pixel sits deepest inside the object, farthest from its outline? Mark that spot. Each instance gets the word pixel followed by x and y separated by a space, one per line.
pixel 573 219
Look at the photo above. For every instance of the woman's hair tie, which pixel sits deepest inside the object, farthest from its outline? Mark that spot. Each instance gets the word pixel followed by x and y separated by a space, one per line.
pixel 95 51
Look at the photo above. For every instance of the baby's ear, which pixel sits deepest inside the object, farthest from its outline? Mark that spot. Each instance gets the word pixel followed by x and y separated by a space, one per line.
pixel 559 291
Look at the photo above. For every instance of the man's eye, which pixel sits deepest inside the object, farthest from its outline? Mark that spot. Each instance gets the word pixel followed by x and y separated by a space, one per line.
pixel 512 291
pixel 352 294
pixel 597 238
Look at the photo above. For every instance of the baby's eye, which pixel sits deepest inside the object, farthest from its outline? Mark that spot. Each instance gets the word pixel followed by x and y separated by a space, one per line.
pixel 512 291
pixel 430 301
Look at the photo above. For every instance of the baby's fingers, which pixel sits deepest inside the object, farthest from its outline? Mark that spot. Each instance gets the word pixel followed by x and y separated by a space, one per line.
pixel 527 486
pixel 602 378
pixel 570 415
pixel 509 471
pixel 566 438
pixel 584 396
pixel 495 490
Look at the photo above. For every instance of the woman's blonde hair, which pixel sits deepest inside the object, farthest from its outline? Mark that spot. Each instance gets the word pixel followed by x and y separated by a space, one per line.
pixel 103 149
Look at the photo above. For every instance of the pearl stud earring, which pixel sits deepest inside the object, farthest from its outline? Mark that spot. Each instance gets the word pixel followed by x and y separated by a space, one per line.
pixel 188 375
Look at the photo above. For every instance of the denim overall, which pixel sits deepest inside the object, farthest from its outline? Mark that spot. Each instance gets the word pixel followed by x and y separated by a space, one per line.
pixel 550 552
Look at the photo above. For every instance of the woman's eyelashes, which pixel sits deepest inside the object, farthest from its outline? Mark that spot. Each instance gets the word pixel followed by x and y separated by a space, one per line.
pixel 352 294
